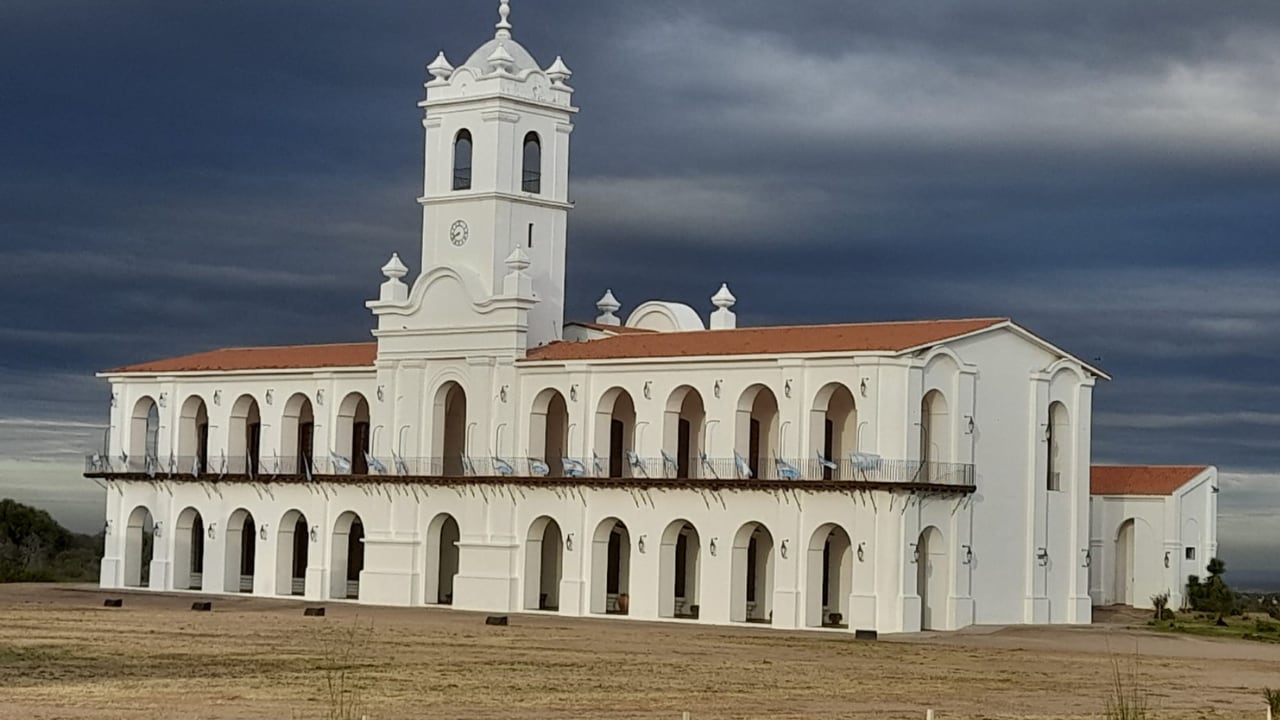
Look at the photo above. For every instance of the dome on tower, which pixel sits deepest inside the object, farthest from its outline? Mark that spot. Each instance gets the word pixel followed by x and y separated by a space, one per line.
pixel 482 60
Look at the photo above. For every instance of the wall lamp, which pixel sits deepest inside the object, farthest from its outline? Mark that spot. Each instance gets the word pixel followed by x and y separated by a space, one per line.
pixel 862 387
pixel 648 389
pixel 640 544
pixel 1166 558
pixel 786 388
pixel 568 539
pixel 262 532
pixel 573 392
pixel 915 553
pixel 712 548
pixel 1042 556
pixel 502 393
pixel 217 397
pixel 158 531
pixel 970 424
pixel 270 395
pixel 783 549
pixel 715 389
pixel 968 554
pixel 1088 557
pixel 315 533
pixel 210 532
pixel 380 392
pixel 106 528
pixel 862 555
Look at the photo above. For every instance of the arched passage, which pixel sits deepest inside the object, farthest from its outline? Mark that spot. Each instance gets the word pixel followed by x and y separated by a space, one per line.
pixel 684 423
pixel 935 436
pixel 242 552
pixel 753 564
pixel 297 435
pixel 144 434
pixel 1126 561
pixel 188 551
pixel 611 568
pixel 756 432
pixel 352 431
pixel 347 557
pixel 833 429
pixel 829 577
pixel 449 428
pixel 1058 440
pixel 244 437
pixel 543 565
pixel 932 578
pixel 531 180
pixel 615 431
pixel 193 436
pixel 293 553
pixel 139 547
pixel 443 535
pixel 678 565
pixel 462 160
pixel 549 430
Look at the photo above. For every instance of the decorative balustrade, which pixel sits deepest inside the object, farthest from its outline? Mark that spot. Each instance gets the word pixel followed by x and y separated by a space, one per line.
pixel 857 468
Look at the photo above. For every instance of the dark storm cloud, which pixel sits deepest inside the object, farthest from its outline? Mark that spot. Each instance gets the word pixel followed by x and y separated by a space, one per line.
pixel 176 176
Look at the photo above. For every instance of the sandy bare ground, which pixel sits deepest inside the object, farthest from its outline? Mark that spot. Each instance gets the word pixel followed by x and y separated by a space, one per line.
pixel 62 655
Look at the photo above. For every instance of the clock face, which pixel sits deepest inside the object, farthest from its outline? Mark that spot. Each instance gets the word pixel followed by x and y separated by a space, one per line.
pixel 458 233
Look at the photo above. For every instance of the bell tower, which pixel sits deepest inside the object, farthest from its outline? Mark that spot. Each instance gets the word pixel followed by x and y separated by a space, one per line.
pixel 497 171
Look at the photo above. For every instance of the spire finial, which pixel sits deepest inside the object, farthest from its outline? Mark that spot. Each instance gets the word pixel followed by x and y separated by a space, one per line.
pixel 504 27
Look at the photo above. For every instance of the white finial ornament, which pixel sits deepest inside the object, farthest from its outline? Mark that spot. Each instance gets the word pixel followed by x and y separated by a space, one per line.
pixel 607 306
pixel 440 68
pixel 395 268
pixel 504 27
pixel 723 318
pixel 558 73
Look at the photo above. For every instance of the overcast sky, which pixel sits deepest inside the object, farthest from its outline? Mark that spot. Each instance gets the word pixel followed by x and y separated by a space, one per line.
pixel 179 175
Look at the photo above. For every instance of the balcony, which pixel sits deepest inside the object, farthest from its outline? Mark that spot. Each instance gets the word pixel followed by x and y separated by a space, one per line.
pixel 856 472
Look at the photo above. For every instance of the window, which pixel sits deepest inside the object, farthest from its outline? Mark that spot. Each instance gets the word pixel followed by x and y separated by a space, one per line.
pixel 530 234
pixel 1055 433
pixel 1191 553
pixel 532 182
pixel 462 160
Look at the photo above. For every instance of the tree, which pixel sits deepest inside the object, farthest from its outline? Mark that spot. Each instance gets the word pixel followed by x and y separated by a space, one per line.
pixel 34 547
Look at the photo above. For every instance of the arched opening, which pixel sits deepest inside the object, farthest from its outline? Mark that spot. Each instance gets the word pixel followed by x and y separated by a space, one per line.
pixel 292 554
pixel 833 429
pixel 139 548
pixel 244 437
pixel 242 552
pixel 297 435
pixel 932 578
pixel 752 599
pixel 543 565
pixel 347 553
pixel 1057 434
pixel 1126 561
pixel 144 435
pixel 462 160
pixel 829 578
pixel 442 559
pixel 682 433
pixel 352 432
pixel 757 440
pixel 549 430
pixel 615 432
pixel 450 429
pixel 678 571
pixel 188 551
pixel 935 437
pixel 532 179
pixel 611 568
pixel 193 436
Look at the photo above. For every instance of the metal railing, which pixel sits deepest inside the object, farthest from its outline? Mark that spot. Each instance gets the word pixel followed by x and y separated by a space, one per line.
pixel 858 468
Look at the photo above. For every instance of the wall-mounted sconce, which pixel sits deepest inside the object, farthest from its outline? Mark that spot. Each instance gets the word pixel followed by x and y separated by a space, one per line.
pixel 915 553
pixel 314 534
pixel 1048 432
pixel 968 555
pixel 262 532
pixel 648 389
pixel 320 396
pixel 969 424
pixel 217 397
pixel 380 392
pixel 106 528
pixel 1166 558
pixel 1088 557
pixel 783 550
pixel 640 544
pixel 1042 556
pixel 210 531
pixel 573 392
pixel 712 547
pixel 715 389
pixel 502 393
pixel 164 399
pixel 115 398
pixel 568 539
pixel 270 394
pixel 786 388
pixel 158 531
pixel 862 553
pixel 862 387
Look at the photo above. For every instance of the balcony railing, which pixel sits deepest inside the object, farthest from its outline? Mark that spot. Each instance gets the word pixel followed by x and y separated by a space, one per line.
pixel 858 468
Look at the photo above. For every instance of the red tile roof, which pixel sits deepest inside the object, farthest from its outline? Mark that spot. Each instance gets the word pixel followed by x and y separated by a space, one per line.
pixel 1141 479
pixel 866 337
pixel 291 357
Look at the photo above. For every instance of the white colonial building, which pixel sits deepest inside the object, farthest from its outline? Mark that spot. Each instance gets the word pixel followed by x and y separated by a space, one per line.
pixel 482 452
pixel 1150 528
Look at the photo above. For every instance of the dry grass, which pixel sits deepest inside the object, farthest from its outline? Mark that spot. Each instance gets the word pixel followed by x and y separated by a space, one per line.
pixel 62 655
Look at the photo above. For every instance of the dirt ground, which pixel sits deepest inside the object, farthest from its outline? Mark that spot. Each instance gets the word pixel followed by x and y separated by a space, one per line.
pixel 63 655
